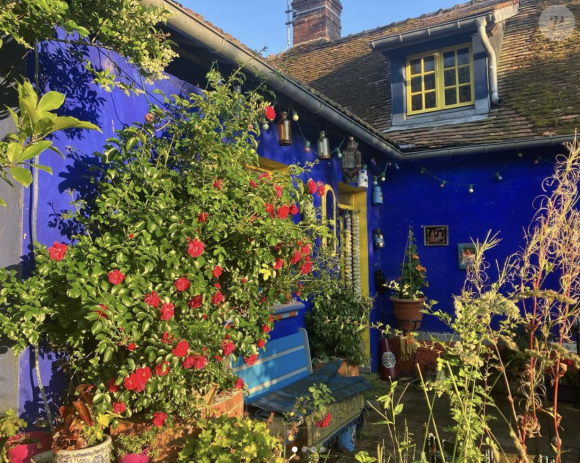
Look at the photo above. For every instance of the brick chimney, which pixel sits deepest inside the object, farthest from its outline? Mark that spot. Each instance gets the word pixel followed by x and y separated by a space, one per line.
pixel 316 19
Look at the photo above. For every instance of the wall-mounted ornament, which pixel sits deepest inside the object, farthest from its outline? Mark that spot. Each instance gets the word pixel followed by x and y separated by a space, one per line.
pixel 351 161
pixel 377 198
pixel 363 179
pixel 284 130
pixel 378 239
pixel 436 235
pixel 323 147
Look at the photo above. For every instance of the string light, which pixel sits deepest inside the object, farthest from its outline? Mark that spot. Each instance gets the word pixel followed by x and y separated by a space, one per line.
pixel 295 116
pixel 307 146
pixel 520 155
pixel 537 160
pixel 443 183
pixel 265 126
pixel 338 153
pixel 375 182
pixel 470 188
pixel 498 177
pixel 423 170
pixel 383 178
pixel 397 166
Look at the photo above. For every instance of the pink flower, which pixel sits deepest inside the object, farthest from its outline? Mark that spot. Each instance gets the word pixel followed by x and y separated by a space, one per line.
pixel 306 250
pixel 217 298
pixel 251 359
pixel 182 284
pixel 283 212
pixel 116 277
pixel 270 113
pixel 167 311
pixel 228 347
pixel 57 251
pixel 294 209
pixel 159 419
pixel 119 407
pixel 217 271
pixel 311 185
pixel 195 248
pixel 152 299
pixel 239 383
pixel 181 349
pixel 196 302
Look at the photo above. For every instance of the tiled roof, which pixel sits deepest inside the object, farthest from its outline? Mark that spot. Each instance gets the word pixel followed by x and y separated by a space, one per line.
pixel 538 79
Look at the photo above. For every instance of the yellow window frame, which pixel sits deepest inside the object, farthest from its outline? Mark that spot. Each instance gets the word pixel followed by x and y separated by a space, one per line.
pixel 439 79
pixel 330 221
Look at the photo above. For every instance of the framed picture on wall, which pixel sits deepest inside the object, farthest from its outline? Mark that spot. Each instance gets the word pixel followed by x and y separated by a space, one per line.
pixel 436 235
pixel 465 255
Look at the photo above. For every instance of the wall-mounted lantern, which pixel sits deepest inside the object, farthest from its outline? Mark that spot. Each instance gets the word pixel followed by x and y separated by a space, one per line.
pixel 363 179
pixel 351 161
pixel 323 147
pixel 284 130
pixel 377 198
pixel 378 239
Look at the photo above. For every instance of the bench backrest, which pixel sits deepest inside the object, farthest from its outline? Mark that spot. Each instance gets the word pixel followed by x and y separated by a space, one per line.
pixel 285 361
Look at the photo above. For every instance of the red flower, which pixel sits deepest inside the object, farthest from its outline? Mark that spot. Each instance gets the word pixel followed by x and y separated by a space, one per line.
pixel 195 248
pixel 217 298
pixel 283 212
pixel 116 277
pixel 217 285
pixel 306 250
pixel 217 271
pixel 253 184
pixel 111 386
pixel 218 184
pixel 321 189
pixel 270 113
pixel 567 362
pixel 306 268
pixel 270 210
pixel 244 280
pixel 167 311
pixel 182 284
pixel 196 302
pixel 239 383
pixel 265 329
pixel 119 407
pixel 294 209
pixel 167 339
pixel 279 263
pixel 159 419
pixel 261 343
pixel 57 251
pixel 197 362
pixel 279 190
pixel 152 299
pixel 162 369
pixel 296 257
pixel 324 422
pixel 251 359
pixel 181 349
pixel 204 316
pixel 131 236
pixel 271 318
pixel 138 380
pixel 202 217
pixel 265 175
pixel 131 347
pixel 228 347
pixel 311 185
pixel 218 358
pixel 102 312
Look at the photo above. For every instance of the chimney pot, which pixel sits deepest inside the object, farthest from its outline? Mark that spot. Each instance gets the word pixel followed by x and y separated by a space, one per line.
pixel 316 19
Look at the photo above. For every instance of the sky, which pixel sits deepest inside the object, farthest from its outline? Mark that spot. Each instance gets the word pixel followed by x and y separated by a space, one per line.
pixel 261 23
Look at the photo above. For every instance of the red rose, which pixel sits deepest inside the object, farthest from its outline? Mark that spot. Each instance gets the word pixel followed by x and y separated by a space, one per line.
pixel 182 284
pixel 217 298
pixel 152 299
pixel 119 407
pixel 167 311
pixel 321 189
pixel 102 312
pixel 199 362
pixel 294 209
pixel 195 248
pixel 296 257
pixel 253 184
pixel 279 190
pixel 138 380
pixel 202 217
pixel 306 268
pixel 283 212
pixel 270 113
pixel 251 359
pixel 167 339
pixel 112 386
pixel 57 251
pixel 218 358
pixel 196 302
pixel 228 347
pixel 261 343
pixel 218 184
pixel 217 271
pixel 311 185
pixel 279 263
pixel 131 346
pixel 162 369
pixel 159 419
pixel 265 329
pixel 116 277
pixel 270 210
pixel 181 349
pixel 239 383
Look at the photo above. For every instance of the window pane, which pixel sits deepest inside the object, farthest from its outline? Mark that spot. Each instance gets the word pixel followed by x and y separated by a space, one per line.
pixel 462 56
pixel 430 100
pixel 430 82
pixel 464 75
pixel 451 96
pixel 417 102
pixel 449 77
pixel 415 66
pixel 465 94
pixel 428 63
pixel 449 59
pixel 416 84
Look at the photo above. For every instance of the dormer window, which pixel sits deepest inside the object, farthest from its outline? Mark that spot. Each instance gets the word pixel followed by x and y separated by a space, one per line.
pixel 441 79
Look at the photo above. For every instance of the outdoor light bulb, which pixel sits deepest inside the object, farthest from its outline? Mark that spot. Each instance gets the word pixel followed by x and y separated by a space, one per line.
pixel 537 160
pixel 307 147
pixel 498 176
pixel 295 116
pixel 471 188
pixel 294 449
pixel 520 154
pixel 304 449
pixel 375 182
pixel 396 166
pixel 383 178
pixel 265 126
pixel 443 184
pixel 423 170
pixel 339 154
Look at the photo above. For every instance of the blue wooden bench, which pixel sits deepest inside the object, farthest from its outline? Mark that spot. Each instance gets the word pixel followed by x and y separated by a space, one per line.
pixel 284 372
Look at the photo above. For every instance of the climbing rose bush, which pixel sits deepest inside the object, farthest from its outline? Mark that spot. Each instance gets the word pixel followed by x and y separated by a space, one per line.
pixel 185 247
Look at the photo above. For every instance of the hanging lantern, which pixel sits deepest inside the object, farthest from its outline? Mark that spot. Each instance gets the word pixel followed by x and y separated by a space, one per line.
pixel 363 179
pixel 378 239
pixel 351 161
pixel 323 147
pixel 377 199
pixel 284 130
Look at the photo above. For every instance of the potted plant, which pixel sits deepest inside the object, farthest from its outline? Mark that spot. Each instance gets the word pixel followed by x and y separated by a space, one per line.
pixel 136 447
pixel 409 300
pixel 79 436
pixel 20 446
pixel 335 326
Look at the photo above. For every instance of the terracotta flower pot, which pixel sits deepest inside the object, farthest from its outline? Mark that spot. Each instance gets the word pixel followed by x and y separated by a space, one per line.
pixel 100 453
pixel 22 453
pixel 408 313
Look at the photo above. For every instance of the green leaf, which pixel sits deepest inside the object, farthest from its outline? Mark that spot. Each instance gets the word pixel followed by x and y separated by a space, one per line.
pixel 13 152
pixel 22 175
pixel 50 102
pixel 34 150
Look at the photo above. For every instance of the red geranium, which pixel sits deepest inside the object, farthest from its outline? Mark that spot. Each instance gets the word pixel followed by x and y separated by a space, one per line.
pixel 279 263
pixel 159 419
pixel 182 284
pixel 218 184
pixel 270 113
pixel 228 347
pixel 311 185
pixel 181 349
pixel 202 217
pixel 294 209
pixel 324 422
pixel 116 277
pixel 265 175
pixel 167 339
pixel 131 347
pixel 265 329
pixel 196 302
pixel 198 362
pixel 239 383
pixel 283 212
pixel 167 311
pixel 321 189
pixel 279 190
pixel 162 369
pixel 253 184
pixel 131 236
pixel 57 251
pixel 152 299
pixel 195 248
pixel 261 343
pixel 306 250
pixel 251 359
pixel 119 407
pixel 270 210
pixel 217 271
pixel 306 267
pixel 296 257
pixel 138 380
pixel 111 386
pixel 217 298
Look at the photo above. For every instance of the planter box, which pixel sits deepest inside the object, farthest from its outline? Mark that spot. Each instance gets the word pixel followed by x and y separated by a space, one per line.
pixel 22 453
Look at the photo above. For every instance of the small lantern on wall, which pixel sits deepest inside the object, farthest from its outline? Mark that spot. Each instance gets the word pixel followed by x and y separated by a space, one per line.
pixel 351 161
pixel 323 147
pixel 377 198
pixel 284 130
pixel 378 239
pixel 363 179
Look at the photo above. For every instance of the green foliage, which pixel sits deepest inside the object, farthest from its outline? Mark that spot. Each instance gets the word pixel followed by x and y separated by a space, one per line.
pixel 36 121
pixel 338 319
pixel 10 424
pixel 232 440
pixel 137 442
pixel 412 279
pixel 159 197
